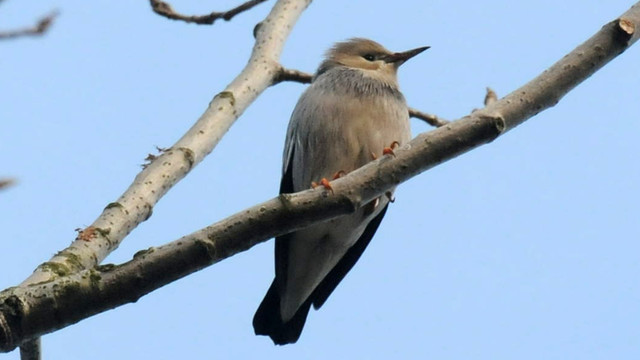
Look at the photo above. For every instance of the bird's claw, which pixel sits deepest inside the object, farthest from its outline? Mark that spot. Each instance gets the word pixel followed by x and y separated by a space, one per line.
pixel 339 174
pixel 389 150
pixel 324 183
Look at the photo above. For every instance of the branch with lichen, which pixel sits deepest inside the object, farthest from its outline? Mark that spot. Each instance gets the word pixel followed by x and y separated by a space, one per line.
pixel 27 312
pixel 164 170
pixel 172 164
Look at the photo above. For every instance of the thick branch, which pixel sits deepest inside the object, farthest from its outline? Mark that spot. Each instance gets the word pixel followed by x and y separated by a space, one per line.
pixel 549 87
pixel 27 312
pixel 38 29
pixel 52 305
pixel 136 204
pixel 164 171
pixel 164 9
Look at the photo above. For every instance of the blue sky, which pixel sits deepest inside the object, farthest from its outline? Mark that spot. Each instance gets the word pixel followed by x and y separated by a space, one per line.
pixel 525 248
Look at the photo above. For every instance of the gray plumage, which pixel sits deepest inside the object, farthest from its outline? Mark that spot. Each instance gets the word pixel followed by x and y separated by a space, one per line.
pixel 352 110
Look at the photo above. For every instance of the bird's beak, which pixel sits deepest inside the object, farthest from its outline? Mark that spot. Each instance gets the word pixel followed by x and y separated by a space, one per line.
pixel 400 57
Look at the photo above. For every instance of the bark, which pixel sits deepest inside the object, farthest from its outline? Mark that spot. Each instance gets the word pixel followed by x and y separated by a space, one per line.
pixel 133 207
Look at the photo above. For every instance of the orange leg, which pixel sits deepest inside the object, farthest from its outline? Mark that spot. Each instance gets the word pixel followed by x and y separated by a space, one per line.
pixel 389 150
pixel 339 174
pixel 323 182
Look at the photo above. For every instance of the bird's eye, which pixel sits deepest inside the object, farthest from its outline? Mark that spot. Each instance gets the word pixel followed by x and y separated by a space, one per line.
pixel 369 57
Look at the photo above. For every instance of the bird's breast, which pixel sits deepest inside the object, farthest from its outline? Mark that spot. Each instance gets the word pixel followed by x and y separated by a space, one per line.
pixel 343 131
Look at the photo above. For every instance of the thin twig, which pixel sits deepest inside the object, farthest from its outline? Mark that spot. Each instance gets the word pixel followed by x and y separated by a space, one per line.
pixel 490 97
pixel 430 119
pixel 6 182
pixel 164 9
pixel 292 75
pixel 38 29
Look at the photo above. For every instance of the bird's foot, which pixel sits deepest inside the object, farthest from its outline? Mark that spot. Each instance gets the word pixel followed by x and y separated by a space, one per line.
pixel 323 182
pixel 339 174
pixel 389 150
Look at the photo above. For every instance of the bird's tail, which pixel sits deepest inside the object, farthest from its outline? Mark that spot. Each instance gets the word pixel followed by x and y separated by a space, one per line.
pixel 268 319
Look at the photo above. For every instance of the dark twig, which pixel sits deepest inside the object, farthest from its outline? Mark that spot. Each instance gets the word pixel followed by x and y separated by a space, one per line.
pixel 5 183
pixel 164 9
pixel 40 28
pixel 292 75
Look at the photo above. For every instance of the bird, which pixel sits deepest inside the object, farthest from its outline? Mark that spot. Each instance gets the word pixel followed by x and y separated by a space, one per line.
pixel 352 113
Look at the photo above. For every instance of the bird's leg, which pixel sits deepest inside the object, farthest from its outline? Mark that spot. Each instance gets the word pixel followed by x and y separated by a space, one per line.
pixel 323 182
pixel 389 150
pixel 386 150
pixel 339 174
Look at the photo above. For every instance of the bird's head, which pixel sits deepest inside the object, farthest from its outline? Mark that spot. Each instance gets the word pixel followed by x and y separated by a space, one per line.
pixel 370 57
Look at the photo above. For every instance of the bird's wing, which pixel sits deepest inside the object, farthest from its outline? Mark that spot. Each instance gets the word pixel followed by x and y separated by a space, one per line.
pixel 268 318
pixel 287 156
pixel 282 247
pixel 331 281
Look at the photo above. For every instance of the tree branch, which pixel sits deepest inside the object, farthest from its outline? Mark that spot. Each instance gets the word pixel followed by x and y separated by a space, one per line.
pixel 285 74
pixel 164 9
pixel 38 29
pixel 430 119
pixel 136 204
pixel 27 312
pixel 165 170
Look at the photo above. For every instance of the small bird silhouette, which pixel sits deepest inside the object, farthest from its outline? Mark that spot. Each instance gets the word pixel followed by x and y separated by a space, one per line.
pixel 351 113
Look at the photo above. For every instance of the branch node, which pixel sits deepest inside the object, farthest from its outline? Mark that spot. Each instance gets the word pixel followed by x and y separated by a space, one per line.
pixel 189 155
pixel 227 95
pixel 497 121
pixel 627 26
pixel 11 314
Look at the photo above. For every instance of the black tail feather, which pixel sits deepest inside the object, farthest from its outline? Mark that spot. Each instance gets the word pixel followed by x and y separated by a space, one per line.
pixel 268 320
